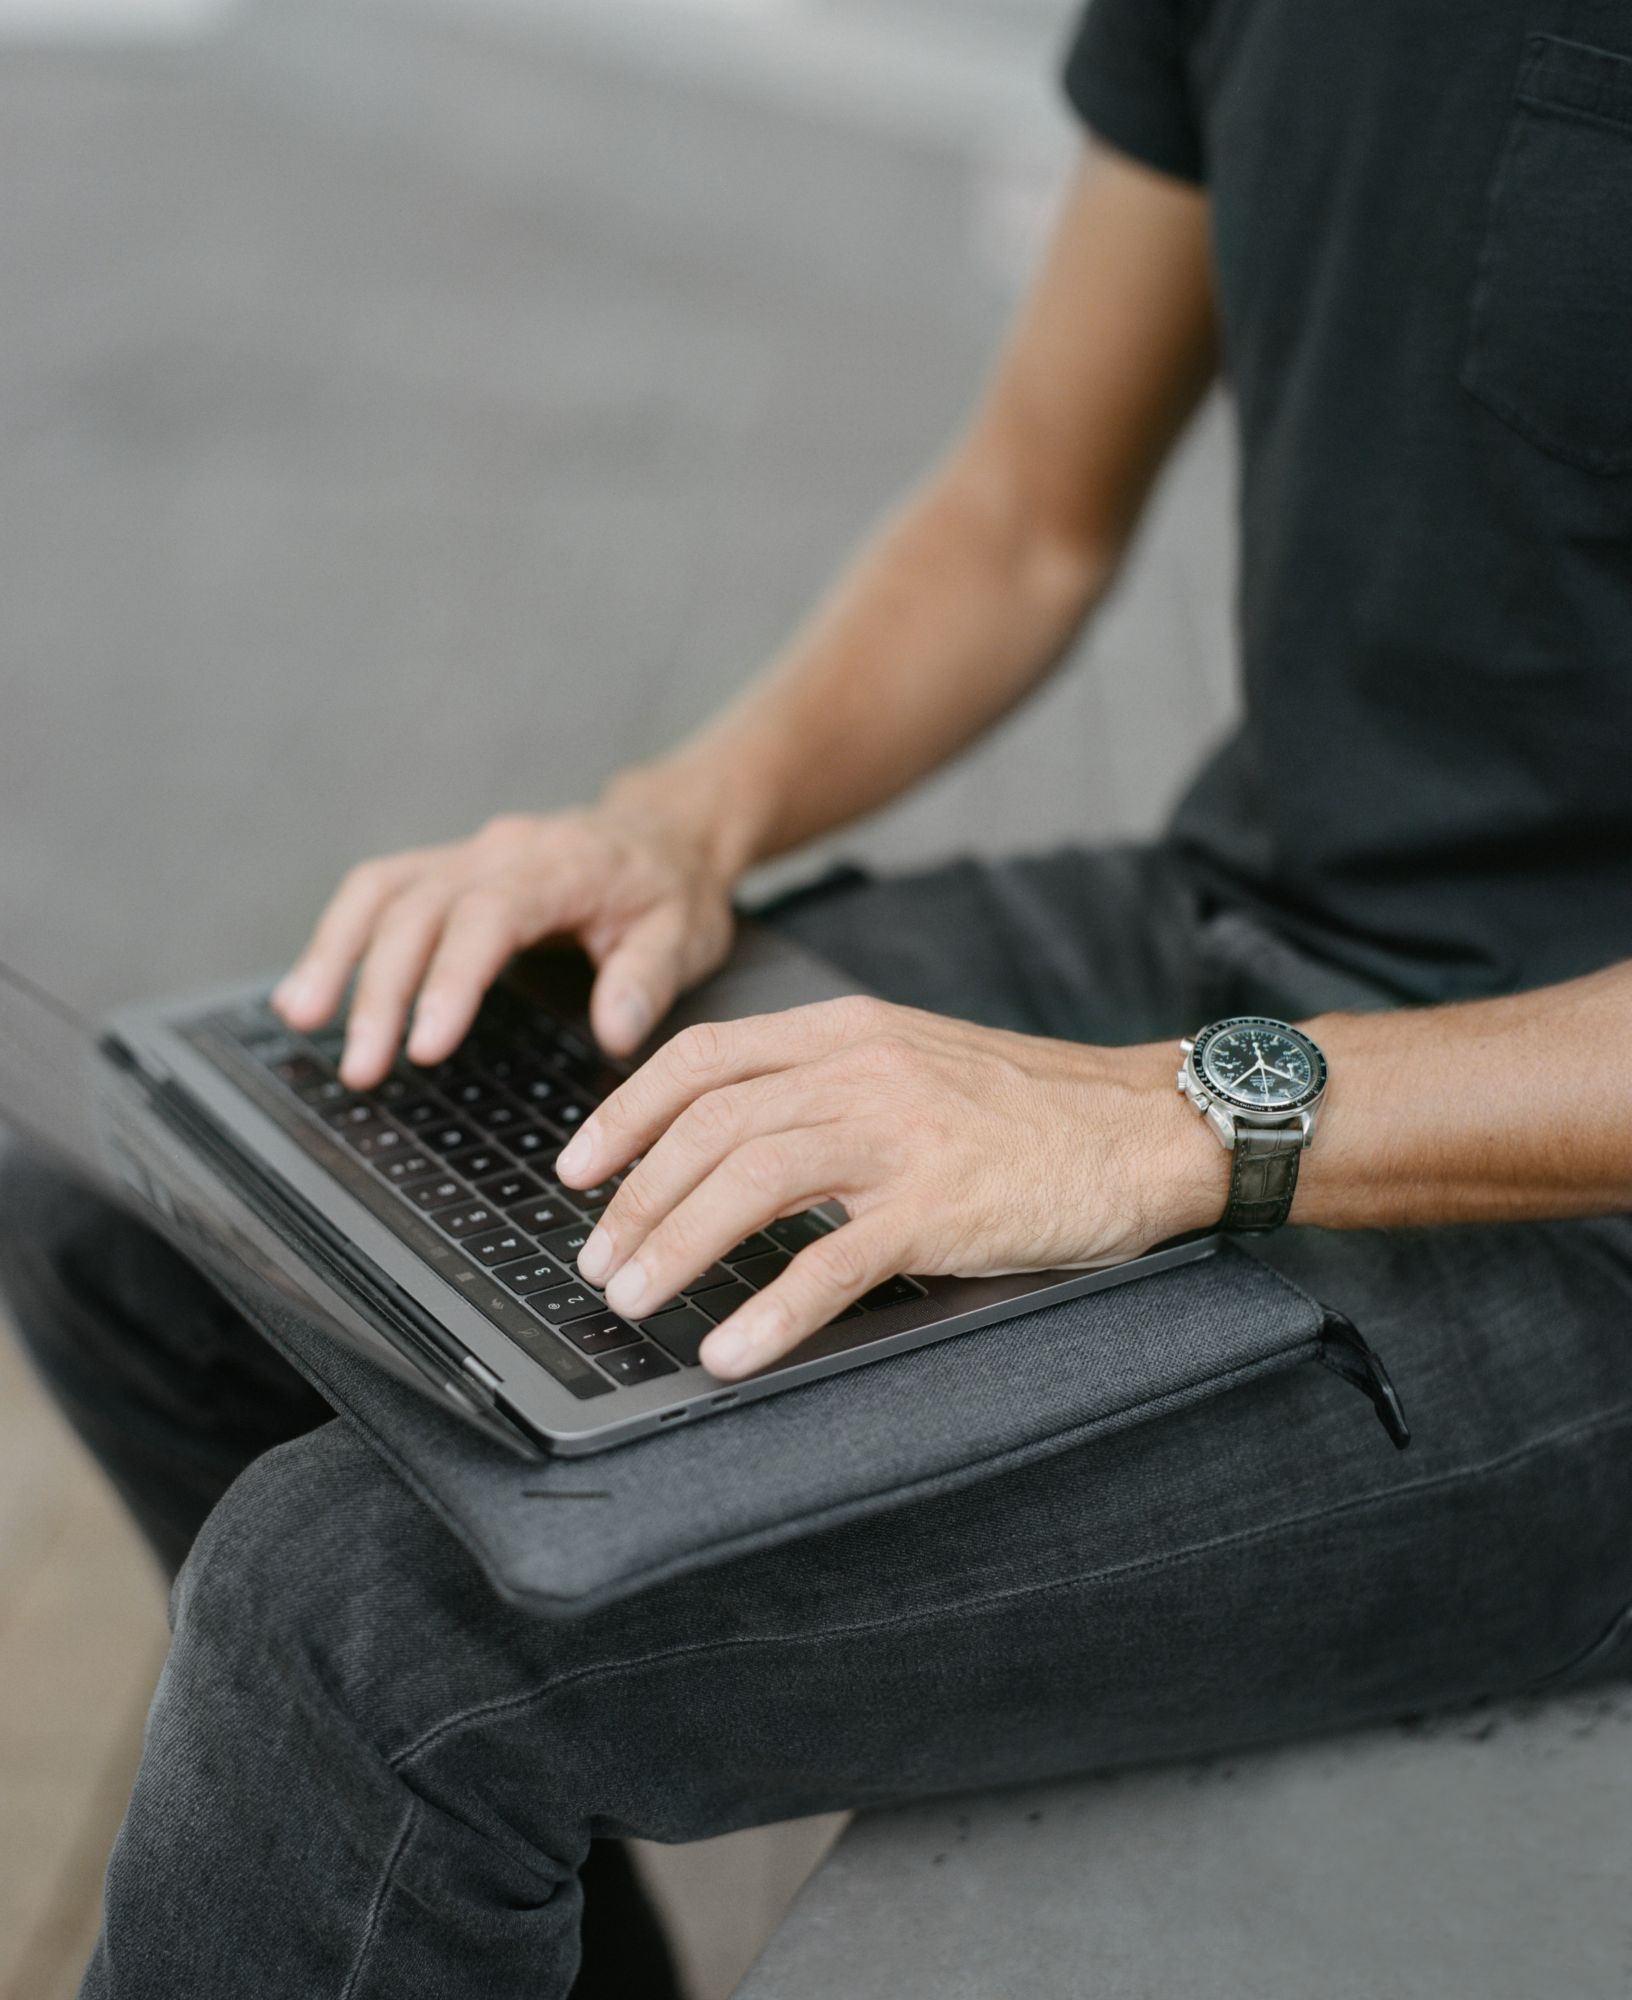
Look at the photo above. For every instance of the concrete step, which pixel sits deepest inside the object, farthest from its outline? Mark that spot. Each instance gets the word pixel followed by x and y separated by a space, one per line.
pixel 1485 1853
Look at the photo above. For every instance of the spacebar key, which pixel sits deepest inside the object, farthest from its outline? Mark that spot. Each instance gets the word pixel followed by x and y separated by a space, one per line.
pixel 545 1347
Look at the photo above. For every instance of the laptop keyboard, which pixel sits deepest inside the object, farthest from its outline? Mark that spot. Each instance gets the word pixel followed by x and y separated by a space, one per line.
pixel 459 1162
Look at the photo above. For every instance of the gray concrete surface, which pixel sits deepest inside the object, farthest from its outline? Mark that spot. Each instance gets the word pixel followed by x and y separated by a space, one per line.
pixel 1483 1856
pixel 402 419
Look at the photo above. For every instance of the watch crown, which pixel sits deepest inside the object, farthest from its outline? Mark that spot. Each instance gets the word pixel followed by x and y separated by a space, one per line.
pixel 1187 1045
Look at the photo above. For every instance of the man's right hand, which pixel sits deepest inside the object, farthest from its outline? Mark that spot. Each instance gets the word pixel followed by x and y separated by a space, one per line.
pixel 427 932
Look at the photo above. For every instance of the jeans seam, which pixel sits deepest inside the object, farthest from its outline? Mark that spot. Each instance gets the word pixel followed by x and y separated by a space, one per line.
pixel 1503 1462
pixel 376 1905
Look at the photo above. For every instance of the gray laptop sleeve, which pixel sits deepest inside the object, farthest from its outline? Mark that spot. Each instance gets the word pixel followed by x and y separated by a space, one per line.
pixel 564 1535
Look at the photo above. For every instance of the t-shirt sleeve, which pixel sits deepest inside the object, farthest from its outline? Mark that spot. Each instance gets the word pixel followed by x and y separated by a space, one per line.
pixel 1125 75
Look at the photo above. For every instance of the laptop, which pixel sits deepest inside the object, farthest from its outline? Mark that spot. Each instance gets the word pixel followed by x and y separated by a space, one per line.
pixel 421 1223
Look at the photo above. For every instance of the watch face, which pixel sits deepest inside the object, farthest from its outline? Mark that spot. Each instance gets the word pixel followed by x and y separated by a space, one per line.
pixel 1261 1065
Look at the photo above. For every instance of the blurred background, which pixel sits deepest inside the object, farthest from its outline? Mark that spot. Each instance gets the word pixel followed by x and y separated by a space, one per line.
pixel 413 409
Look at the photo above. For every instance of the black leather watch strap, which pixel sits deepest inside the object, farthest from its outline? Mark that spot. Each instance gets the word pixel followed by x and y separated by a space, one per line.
pixel 1263 1177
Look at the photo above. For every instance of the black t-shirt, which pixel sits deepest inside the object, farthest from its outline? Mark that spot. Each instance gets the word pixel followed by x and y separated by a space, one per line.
pixel 1422 218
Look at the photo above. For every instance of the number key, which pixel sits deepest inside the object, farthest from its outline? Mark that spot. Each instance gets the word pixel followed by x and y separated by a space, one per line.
pixel 573 1302
pixel 531 1274
pixel 437 1193
pixel 498 1248
pixel 466 1220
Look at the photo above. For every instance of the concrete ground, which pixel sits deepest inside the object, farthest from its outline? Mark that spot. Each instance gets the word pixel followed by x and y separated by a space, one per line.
pixel 409 411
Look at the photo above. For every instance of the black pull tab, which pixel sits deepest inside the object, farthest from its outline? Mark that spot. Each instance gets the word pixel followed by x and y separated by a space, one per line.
pixel 1345 1350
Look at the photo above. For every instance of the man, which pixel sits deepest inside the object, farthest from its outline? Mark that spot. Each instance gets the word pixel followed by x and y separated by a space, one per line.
pixel 1402 227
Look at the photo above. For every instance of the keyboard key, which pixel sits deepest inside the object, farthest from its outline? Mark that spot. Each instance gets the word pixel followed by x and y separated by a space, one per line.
pixel 351 1116
pixel 532 1274
pixel 722 1302
pixel 566 1243
pixel 447 1076
pixel 499 1248
pixel 321 1094
pixel 402 1168
pixel 638 1364
pixel 793 1232
pixel 568 1114
pixel 469 1219
pixel 470 1093
pixel 507 1189
pixel 477 1162
pixel 596 1197
pixel 394 1090
pixel 383 1142
pixel 594 1078
pixel 300 1071
pixel 415 1112
pixel 759 1271
pixel 573 1302
pixel 893 1292
pixel 540 1217
pixel 501 1116
pixel 535 1087
pixel 601 1335
pixel 446 1138
pixel 750 1246
pixel 532 1143
pixel 437 1193
pixel 680 1331
pixel 708 1281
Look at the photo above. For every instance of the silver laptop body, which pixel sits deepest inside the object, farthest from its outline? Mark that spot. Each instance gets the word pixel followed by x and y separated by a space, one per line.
pixel 461 1336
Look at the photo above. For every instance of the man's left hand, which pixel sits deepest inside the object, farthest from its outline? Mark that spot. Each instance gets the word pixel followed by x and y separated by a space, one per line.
pixel 955 1150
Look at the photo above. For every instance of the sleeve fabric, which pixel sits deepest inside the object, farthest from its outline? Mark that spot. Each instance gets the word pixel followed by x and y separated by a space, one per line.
pixel 1126 77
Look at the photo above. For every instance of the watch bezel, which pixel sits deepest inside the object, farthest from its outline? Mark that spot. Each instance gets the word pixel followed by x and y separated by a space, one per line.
pixel 1255 1107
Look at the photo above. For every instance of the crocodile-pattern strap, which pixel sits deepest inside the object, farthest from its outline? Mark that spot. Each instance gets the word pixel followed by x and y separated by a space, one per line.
pixel 1263 1177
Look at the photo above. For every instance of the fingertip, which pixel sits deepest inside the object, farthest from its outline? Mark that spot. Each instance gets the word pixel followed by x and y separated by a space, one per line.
pixel 726 1354
pixel 573 1162
pixel 366 1058
pixel 622 1018
pixel 435 1033
pixel 299 999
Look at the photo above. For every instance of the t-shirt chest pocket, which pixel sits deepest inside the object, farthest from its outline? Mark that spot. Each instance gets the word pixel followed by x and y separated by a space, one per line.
pixel 1549 344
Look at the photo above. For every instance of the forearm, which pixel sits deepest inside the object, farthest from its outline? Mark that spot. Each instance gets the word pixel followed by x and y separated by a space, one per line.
pixel 954 611
pixel 1490 1111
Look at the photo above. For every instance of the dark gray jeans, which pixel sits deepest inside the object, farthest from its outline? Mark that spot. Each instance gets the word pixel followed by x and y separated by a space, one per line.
pixel 365 1777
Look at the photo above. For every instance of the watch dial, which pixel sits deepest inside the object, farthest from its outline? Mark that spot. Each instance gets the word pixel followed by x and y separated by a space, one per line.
pixel 1260 1065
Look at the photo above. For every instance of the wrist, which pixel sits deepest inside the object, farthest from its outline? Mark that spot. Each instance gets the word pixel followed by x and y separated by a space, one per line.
pixel 717 812
pixel 1182 1172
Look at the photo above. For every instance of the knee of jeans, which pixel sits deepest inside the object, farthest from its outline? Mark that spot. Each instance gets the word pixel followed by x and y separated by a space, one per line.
pixel 319 1559
pixel 42 1210
pixel 34 1191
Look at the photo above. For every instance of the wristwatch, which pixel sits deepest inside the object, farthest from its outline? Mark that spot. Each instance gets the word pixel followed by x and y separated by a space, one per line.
pixel 1259 1084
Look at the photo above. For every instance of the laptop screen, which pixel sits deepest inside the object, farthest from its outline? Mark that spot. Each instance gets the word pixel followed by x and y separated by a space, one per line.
pixel 48 1064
